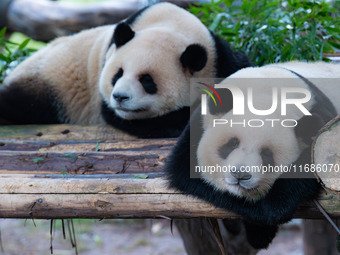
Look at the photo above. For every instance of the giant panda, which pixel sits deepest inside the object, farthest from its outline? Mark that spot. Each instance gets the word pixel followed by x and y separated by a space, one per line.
pixel 133 75
pixel 265 199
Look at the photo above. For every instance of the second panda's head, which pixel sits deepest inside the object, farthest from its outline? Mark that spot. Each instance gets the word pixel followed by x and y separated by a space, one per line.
pixel 147 73
pixel 247 149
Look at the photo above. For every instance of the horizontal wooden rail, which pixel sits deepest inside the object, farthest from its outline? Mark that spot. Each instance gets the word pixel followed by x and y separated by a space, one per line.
pixel 66 171
pixel 133 196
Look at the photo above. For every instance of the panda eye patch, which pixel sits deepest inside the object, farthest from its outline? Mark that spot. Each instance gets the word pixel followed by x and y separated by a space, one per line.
pixel 267 157
pixel 148 84
pixel 227 148
pixel 117 76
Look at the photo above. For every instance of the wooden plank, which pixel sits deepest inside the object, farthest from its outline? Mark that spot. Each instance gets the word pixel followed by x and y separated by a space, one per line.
pixel 79 157
pixel 127 197
pixel 111 145
pixel 45 20
pixel 46 206
pixel 60 132
pixel 130 185
pixel 80 163
pixel 76 176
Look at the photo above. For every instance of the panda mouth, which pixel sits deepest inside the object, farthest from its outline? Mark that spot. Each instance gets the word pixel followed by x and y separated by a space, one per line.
pixel 247 185
pixel 131 110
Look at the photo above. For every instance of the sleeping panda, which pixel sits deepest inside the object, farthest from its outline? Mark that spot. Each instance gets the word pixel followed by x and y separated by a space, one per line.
pixel 268 198
pixel 133 75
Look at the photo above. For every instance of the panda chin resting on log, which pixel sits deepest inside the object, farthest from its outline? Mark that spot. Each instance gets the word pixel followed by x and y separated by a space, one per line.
pixel 133 75
pixel 263 198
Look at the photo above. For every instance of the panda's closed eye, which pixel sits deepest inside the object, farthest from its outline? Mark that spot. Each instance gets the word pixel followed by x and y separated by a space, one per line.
pixel 267 156
pixel 117 76
pixel 227 148
pixel 148 84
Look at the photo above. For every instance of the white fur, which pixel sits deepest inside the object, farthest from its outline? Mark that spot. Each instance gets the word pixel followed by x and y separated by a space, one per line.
pixel 282 141
pixel 80 68
pixel 156 50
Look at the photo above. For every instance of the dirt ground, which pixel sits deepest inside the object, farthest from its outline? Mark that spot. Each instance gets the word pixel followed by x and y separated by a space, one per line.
pixel 116 237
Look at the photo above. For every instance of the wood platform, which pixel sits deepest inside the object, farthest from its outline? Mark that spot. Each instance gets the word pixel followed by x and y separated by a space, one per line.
pixel 65 171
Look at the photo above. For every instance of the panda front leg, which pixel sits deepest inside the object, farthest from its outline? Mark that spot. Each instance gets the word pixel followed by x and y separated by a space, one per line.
pixel 260 236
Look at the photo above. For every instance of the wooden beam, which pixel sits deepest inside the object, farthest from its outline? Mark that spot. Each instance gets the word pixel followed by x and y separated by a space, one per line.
pixel 45 20
pixel 66 171
pixel 61 133
pixel 128 197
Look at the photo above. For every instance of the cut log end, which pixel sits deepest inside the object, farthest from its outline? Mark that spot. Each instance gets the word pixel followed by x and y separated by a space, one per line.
pixel 326 156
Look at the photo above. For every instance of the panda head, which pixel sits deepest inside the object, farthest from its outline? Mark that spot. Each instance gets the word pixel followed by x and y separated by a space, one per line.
pixel 146 73
pixel 243 150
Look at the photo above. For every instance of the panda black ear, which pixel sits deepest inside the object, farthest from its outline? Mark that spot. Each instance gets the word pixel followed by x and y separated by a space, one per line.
pixel 194 58
pixel 122 34
pixel 308 127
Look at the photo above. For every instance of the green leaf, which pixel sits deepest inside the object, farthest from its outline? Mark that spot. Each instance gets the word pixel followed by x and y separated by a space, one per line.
pixel 69 155
pixel 97 147
pixel 3 32
pixel 335 44
pixel 24 44
pixel 140 176
pixel 2 57
pixel 38 160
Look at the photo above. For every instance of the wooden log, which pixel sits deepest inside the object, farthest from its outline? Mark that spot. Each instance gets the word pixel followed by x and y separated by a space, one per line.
pixel 93 155
pixel 199 237
pixel 319 237
pixel 326 155
pixel 97 198
pixel 45 20
pixel 56 149
pixel 83 157
pixel 134 196
pixel 86 162
pixel 61 133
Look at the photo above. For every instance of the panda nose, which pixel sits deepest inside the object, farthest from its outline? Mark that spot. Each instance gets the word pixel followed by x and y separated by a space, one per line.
pixel 120 97
pixel 241 176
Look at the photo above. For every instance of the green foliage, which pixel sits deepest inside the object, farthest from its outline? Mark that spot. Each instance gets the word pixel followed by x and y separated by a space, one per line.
pixel 69 155
pixel 11 54
pixel 38 160
pixel 275 30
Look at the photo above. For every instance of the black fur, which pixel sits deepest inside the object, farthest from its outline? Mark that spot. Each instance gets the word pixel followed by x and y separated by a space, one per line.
pixel 129 21
pixel 228 147
pixel 168 125
pixel 322 111
pixel 132 19
pixel 278 206
pixel 25 104
pixel 194 58
pixel 122 34
pixel 148 84
pixel 268 212
pixel 259 235
pixel 308 127
pixel 117 76
pixel 228 61
pixel 267 157
pixel 21 105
